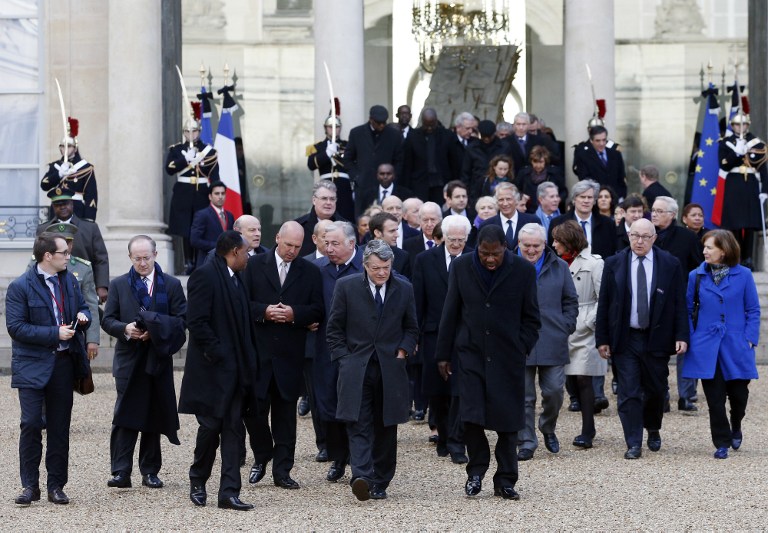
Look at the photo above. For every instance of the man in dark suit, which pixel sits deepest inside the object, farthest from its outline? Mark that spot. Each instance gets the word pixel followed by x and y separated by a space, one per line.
pixel 144 288
pixel 509 219
pixel 642 318
pixel 457 199
pixel 464 127
pixel 478 156
pixel 384 226
pixel 633 210
pixel 594 161
pixel 652 189
pixel 286 297
pixel 88 244
pixel 250 227
pixel 491 319
pixel 372 329
pixel 430 286
pixel 394 206
pixel 599 230
pixel 210 222
pixel 370 145
pixel 522 141
pixel 426 165
pixel 221 368
pixel 46 317
pixel 323 208
pixel 430 215
pixel 387 187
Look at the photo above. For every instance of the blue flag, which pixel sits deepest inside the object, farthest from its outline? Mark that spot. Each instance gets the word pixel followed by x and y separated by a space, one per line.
pixel 206 131
pixel 707 164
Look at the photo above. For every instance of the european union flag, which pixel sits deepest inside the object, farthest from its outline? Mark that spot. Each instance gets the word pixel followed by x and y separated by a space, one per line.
pixel 206 131
pixel 707 166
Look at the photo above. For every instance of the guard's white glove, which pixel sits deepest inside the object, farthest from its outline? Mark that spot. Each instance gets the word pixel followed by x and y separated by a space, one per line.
pixel 65 169
pixel 332 149
pixel 189 154
pixel 763 197
pixel 741 146
pixel 197 159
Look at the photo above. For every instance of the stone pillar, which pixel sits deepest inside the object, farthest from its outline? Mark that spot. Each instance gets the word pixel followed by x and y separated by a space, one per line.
pixel 135 132
pixel 339 42
pixel 589 40
pixel 758 70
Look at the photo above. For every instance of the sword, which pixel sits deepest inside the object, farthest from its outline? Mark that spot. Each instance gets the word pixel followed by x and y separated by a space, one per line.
pixel 592 86
pixel 63 123
pixel 187 103
pixel 333 104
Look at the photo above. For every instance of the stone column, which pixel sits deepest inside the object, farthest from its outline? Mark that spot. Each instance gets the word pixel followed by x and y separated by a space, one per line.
pixel 589 40
pixel 135 132
pixel 758 70
pixel 339 42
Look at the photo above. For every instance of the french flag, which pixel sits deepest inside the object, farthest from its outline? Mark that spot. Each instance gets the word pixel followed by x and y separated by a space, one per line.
pixel 227 156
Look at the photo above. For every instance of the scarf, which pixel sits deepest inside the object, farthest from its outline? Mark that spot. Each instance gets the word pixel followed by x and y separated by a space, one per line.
pixel 487 276
pixel 141 294
pixel 539 264
pixel 719 272
pixel 568 257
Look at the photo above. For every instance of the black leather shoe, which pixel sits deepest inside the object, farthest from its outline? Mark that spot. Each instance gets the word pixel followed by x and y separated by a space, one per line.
pixel 459 458
pixel 685 405
pixel 234 503
pixel 736 438
pixel 58 497
pixel 615 387
pixel 574 406
pixel 257 472
pixel 361 489
pixel 378 493
pixel 635 452
pixel 524 454
pixel 551 442
pixel 286 483
pixel 27 496
pixel 582 442
pixel 337 471
pixel 654 441
pixel 473 486
pixel 418 416
pixel 303 408
pixel 121 480
pixel 433 439
pixel 600 404
pixel 151 481
pixel 322 456
pixel 667 408
pixel 508 493
pixel 197 494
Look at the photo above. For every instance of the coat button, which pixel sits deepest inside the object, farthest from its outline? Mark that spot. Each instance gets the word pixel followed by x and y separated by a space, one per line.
pixel 487 332
pixel 487 304
pixel 488 359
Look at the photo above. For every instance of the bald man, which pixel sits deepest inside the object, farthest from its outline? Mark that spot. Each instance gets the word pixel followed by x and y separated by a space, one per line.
pixel 250 227
pixel 394 206
pixel 286 296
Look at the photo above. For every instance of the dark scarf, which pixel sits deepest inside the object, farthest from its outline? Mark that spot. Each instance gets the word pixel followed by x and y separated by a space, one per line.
pixel 719 272
pixel 488 276
pixel 141 294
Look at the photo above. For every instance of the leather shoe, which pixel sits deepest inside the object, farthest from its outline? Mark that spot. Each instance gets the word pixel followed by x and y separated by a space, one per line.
pixel 574 406
pixel 508 493
pixel 614 387
pixel 635 452
pixel 685 405
pixel 524 454
pixel 361 490
pixel 736 438
pixel 303 408
pixel 27 496
pixel 582 442
pixel 322 456
pixel 197 494
pixel 459 458
pixel 654 441
pixel 234 503
pixel 473 486
pixel 600 404
pixel 667 408
pixel 442 451
pixel 418 416
pixel 257 472
pixel 286 483
pixel 121 480
pixel 551 442
pixel 57 496
pixel 721 453
pixel 433 439
pixel 337 471
pixel 378 493
pixel 151 481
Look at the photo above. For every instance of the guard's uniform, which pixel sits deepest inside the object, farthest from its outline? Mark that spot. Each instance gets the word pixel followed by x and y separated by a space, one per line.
pixel 190 192
pixel 333 170
pixel 81 183
pixel 745 180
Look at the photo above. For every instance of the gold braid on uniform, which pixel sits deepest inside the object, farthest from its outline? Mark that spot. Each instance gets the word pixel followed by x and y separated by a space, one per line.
pixel 762 152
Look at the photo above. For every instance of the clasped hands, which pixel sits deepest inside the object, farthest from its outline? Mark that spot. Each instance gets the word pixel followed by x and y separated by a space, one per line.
pixel 280 313
pixel 135 333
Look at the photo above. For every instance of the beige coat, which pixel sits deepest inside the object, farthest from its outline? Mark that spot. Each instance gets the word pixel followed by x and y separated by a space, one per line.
pixel 586 270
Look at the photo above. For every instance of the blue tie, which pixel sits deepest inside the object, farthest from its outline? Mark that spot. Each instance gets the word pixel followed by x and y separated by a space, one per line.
pixel 510 235
pixel 642 295
pixel 603 158
pixel 379 300
pixel 521 142
pixel 430 244
pixel 584 226
pixel 57 294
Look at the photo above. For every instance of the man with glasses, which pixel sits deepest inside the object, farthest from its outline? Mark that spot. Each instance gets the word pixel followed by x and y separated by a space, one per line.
pixel 642 318
pixel 141 366
pixel 323 208
pixel 599 230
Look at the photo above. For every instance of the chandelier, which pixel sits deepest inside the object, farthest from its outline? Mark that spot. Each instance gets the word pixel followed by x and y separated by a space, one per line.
pixel 437 24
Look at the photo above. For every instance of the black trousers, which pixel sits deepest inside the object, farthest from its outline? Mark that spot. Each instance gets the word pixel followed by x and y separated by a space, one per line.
pixel 279 443
pixel 57 398
pixel 586 395
pixel 449 427
pixel 317 424
pixel 642 388
pixel 336 441
pixel 418 400
pixel 479 453
pixel 372 445
pixel 717 390
pixel 230 430
pixel 122 444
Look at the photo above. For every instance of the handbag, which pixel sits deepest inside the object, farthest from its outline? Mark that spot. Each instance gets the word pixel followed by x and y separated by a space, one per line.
pixel 85 385
pixel 696 303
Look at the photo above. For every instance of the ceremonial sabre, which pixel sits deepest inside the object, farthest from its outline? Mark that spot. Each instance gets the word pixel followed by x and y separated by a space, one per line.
pixel 187 103
pixel 63 123
pixel 333 103
pixel 592 86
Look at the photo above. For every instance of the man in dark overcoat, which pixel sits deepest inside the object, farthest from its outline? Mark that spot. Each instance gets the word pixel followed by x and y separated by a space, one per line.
pixel 221 368
pixel 491 319
pixel 372 328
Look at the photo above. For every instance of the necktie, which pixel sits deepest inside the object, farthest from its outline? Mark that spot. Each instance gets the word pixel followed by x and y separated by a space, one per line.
pixel 521 142
pixel 283 272
pixel 430 244
pixel 510 233
pixel 234 280
pixel 223 219
pixel 379 300
pixel 383 195
pixel 583 226
pixel 56 295
pixel 450 260
pixel 146 281
pixel 642 295
pixel 603 158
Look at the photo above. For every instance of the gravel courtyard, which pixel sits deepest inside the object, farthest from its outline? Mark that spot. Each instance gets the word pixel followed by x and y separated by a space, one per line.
pixel 679 488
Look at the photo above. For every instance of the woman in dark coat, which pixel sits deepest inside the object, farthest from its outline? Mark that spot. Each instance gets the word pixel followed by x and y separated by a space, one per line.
pixel 725 327
pixel 529 178
pixel 500 169
pixel 693 219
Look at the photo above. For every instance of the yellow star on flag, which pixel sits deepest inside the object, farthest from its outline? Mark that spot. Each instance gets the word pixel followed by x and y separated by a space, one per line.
pixel 703 182
pixel 713 191
pixel 710 141
pixel 698 168
pixel 700 153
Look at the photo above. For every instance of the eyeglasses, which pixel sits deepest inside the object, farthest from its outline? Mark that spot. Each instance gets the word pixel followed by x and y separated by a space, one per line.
pixel 456 240
pixel 638 237
pixel 660 211
pixel 326 198
pixel 65 253
pixel 139 260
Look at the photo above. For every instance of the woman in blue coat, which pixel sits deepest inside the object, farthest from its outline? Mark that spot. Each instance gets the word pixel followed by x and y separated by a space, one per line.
pixel 723 337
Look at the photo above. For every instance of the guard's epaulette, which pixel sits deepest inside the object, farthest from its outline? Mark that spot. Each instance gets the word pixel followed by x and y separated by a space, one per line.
pixel 80 260
pixel 311 150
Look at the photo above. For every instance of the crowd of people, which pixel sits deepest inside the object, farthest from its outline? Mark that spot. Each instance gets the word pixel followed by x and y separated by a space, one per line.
pixel 439 275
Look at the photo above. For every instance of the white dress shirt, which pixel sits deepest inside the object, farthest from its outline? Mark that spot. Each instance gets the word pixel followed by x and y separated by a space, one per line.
pixel 648 266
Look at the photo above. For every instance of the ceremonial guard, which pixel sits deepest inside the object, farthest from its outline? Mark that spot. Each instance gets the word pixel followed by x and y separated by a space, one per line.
pixel 73 174
pixel 742 158
pixel 195 165
pixel 327 157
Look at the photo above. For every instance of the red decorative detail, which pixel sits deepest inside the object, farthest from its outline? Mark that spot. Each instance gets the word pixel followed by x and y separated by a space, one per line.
pixel 600 107
pixel 745 105
pixel 196 108
pixel 74 126
pixel 337 105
